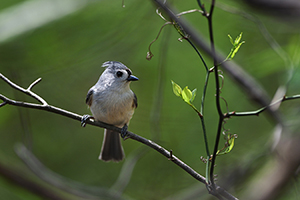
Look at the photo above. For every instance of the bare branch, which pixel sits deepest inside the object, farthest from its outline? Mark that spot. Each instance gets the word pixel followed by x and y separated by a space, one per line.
pixel 75 116
pixel 26 91
pixel 34 83
pixel 149 53
pixel 18 178
pixel 279 171
pixel 189 11
pixel 257 112
pixel 2 104
pixel 70 186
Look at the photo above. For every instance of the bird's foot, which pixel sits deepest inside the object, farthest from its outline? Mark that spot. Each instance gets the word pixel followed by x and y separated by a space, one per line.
pixel 84 118
pixel 124 131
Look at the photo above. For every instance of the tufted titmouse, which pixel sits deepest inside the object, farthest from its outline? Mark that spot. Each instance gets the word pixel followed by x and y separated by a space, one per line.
pixel 111 101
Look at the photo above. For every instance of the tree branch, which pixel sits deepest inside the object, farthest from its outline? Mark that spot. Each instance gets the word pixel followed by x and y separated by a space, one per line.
pixel 69 186
pixel 45 106
pixel 26 91
pixel 257 112
pixel 280 170
pixel 217 87
pixel 23 181
pixel 251 87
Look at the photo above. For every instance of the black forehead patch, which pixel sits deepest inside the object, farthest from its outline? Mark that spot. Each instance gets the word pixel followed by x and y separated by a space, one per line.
pixel 129 72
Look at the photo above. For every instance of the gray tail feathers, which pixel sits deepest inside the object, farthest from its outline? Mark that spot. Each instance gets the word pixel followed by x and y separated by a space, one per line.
pixel 112 149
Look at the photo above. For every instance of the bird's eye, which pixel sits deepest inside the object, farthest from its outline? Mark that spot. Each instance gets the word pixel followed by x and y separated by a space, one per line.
pixel 119 73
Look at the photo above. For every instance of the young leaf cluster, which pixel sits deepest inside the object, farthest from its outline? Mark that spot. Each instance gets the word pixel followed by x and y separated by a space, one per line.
pixel 188 96
pixel 185 94
pixel 236 44
pixel 229 145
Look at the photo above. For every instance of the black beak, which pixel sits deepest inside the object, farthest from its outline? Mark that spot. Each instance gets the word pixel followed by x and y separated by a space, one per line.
pixel 132 78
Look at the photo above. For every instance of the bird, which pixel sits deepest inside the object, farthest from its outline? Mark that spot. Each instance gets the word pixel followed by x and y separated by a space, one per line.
pixel 113 102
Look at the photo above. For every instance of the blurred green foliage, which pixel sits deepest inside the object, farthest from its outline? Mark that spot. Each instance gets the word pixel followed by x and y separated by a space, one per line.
pixel 67 54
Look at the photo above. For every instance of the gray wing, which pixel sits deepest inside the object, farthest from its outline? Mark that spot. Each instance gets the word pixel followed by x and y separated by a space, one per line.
pixel 135 103
pixel 89 98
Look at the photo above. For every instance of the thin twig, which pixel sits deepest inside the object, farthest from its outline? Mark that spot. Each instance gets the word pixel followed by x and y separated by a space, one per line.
pixel 257 112
pixel 3 104
pixel 201 114
pixel 149 53
pixel 189 11
pixel 34 83
pixel 25 91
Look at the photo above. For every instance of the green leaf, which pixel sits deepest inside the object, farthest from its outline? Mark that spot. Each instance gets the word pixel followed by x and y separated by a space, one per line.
pixel 187 95
pixel 236 45
pixel 230 38
pixel 193 95
pixel 176 89
pixel 231 142
pixel 235 50
pixel 230 146
pixel 238 39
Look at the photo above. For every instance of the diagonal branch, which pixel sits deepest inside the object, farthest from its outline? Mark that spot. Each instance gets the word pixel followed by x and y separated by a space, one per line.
pixel 53 109
pixel 70 186
pixel 18 178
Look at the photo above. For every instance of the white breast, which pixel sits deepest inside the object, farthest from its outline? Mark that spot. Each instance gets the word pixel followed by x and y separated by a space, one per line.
pixel 113 107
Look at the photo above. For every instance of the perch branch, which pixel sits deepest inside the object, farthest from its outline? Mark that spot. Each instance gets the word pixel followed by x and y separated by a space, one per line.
pixel 45 106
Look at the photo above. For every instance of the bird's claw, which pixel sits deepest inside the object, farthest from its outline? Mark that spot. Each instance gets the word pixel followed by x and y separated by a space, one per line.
pixel 124 131
pixel 85 118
